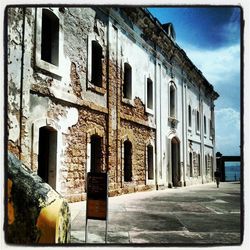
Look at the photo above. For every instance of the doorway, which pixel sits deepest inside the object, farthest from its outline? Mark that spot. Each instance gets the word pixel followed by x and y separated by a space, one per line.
pixel 127 161
pixel 175 156
pixel 47 153
pixel 96 154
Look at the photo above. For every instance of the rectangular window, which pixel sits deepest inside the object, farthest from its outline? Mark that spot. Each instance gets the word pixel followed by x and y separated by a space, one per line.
pixel 127 84
pixel 191 164
pixel 150 161
pixel 127 161
pixel 205 125
pixel 189 116
pixel 199 164
pixel 172 102
pixel 197 120
pixel 96 69
pixel 48 40
pixel 50 37
pixel 149 93
pixel 206 164
pixel 210 128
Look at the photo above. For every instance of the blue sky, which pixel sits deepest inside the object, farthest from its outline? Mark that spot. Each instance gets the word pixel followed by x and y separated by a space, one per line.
pixel 210 37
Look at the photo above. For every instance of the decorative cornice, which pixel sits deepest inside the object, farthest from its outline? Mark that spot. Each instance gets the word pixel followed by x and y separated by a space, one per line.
pixel 153 31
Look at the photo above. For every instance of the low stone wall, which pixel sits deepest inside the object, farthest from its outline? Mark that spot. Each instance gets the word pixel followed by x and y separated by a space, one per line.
pixel 37 214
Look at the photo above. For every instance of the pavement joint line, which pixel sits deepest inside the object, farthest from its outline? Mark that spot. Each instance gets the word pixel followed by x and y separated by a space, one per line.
pixel 214 211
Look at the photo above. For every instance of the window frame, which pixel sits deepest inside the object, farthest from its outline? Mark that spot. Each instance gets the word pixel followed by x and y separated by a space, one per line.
pixel 129 82
pixel 90 86
pixel 189 117
pixel 205 125
pixel 127 172
pixel 39 62
pixel 198 124
pixel 174 88
pixel 152 168
pixel 149 110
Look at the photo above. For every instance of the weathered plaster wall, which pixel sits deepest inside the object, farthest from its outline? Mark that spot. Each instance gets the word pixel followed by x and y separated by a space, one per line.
pixel 15 37
pixel 66 100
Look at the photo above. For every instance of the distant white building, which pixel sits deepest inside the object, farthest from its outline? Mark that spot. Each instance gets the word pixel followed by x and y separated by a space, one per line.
pixel 106 89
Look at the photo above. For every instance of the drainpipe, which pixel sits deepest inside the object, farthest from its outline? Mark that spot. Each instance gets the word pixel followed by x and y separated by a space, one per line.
pixel 184 131
pixel 21 88
pixel 108 98
pixel 202 139
pixel 158 129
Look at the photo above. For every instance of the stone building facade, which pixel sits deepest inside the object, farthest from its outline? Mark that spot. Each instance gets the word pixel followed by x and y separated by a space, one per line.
pixel 106 89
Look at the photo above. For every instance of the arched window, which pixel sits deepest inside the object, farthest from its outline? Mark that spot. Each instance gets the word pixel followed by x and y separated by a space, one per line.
pixel 150 162
pixel 127 84
pixel 50 37
pixel 172 98
pixel 127 161
pixel 96 69
pixel 149 93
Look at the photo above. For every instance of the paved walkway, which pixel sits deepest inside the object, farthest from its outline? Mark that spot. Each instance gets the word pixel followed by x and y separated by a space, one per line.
pixel 201 214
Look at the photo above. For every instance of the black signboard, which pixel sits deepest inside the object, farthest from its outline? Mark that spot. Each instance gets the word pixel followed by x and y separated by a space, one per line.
pixel 97 196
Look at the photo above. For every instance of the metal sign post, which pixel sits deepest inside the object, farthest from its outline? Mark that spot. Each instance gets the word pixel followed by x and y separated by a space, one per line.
pixel 97 200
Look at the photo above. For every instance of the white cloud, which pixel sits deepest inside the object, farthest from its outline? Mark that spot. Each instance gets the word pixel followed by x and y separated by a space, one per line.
pixel 221 67
pixel 218 65
pixel 227 131
pixel 231 116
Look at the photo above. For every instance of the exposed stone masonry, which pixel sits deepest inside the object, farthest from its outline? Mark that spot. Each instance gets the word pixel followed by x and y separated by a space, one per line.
pixel 69 102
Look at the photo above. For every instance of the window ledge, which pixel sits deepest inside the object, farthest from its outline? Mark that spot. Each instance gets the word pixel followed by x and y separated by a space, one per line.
pixel 150 111
pixel 128 101
pixel 198 132
pixel 173 121
pixel 48 67
pixel 99 90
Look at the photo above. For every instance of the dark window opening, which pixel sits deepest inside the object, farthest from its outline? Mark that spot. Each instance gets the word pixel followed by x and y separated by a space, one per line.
pixel 205 124
pixel 96 74
pixel 150 159
pixel 198 120
pixel 191 164
pixel 47 155
pixel 211 165
pixel 206 164
pixel 127 85
pixel 199 165
pixel 172 102
pixel 127 161
pixel 175 158
pixel 189 116
pixel 149 93
pixel 96 154
pixel 50 37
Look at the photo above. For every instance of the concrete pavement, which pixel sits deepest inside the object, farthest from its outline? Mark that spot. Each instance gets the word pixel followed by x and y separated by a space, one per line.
pixel 201 214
